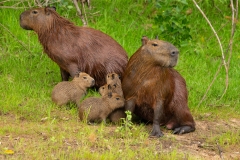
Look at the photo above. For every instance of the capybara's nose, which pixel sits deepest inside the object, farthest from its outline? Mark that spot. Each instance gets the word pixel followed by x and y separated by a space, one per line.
pixel 174 53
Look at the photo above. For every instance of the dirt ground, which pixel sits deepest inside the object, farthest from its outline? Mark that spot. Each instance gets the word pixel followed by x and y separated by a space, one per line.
pixel 203 143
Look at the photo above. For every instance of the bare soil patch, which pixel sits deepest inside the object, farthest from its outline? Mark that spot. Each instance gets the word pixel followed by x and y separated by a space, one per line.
pixel 202 144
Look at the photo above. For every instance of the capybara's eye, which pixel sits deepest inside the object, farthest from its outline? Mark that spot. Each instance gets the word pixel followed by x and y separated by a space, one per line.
pixel 154 44
pixel 34 12
pixel 117 98
pixel 84 77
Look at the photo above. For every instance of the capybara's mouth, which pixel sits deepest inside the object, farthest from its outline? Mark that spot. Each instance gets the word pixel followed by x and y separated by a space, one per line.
pixel 23 25
pixel 93 83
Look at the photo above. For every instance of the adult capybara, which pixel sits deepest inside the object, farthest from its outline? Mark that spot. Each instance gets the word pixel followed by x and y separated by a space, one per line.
pixel 72 91
pixel 75 48
pixel 98 108
pixel 156 92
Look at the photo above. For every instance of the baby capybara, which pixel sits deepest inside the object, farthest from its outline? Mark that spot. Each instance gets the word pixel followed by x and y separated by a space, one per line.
pixel 75 48
pixel 114 85
pixel 72 91
pixel 98 108
pixel 114 81
pixel 156 92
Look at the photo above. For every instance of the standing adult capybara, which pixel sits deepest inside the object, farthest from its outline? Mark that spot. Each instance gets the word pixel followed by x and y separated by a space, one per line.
pixel 98 108
pixel 72 91
pixel 156 92
pixel 75 48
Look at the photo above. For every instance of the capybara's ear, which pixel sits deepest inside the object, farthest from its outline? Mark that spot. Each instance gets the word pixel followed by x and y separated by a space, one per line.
pixel 48 10
pixel 54 8
pixel 144 40
pixel 77 75
pixel 109 87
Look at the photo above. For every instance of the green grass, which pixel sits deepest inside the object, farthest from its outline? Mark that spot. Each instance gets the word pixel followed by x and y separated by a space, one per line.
pixel 27 77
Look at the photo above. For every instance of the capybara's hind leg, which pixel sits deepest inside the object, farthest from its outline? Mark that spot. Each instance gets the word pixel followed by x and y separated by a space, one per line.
pixel 183 129
pixel 64 74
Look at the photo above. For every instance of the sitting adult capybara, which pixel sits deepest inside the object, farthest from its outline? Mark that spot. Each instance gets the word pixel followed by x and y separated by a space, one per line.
pixel 98 108
pixel 72 91
pixel 114 85
pixel 156 92
pixel 75 48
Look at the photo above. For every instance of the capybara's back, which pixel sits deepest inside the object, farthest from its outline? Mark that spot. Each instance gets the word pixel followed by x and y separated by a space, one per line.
pixel 75 48
pixel 72 91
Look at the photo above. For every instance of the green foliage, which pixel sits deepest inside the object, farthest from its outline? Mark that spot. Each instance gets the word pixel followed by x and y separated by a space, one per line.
pixel 172 21
pixel 126 126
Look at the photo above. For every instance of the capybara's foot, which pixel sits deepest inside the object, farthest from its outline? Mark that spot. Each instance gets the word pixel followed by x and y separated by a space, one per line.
pixel 156 132
pixel 183 129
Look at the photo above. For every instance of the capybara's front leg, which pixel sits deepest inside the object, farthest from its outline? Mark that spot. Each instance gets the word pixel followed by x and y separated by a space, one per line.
pixel 130 105
pixel 158 112
pixel 73 69
pixel 64 74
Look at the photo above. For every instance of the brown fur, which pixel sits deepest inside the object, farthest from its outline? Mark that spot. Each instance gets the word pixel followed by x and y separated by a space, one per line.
pixel 97 109
pixel 75 48
pixel 155 91
pixel 72 91
pixel 114 82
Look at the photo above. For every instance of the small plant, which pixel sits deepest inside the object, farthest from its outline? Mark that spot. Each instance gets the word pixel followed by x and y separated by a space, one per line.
pixel 126 125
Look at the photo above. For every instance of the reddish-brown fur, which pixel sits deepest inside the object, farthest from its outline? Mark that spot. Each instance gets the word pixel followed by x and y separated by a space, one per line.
pixel 156 92
pixel 75 48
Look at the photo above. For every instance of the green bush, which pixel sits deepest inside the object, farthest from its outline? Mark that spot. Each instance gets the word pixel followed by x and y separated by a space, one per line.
pixel 172 21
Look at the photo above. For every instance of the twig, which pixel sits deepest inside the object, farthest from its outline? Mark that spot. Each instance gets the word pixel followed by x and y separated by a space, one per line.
pixel 79 12
pixel 15 38
pixel 220 152
pixel 38 3
pixel 231 40
pixel 84 11
pixel 11 7
pixel 46 3
pixel 221 48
